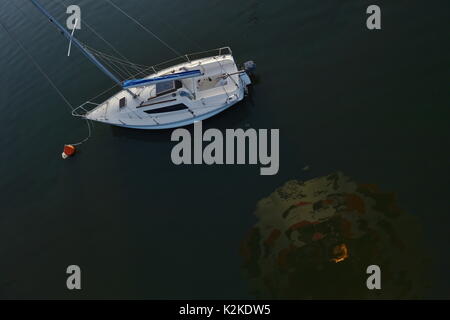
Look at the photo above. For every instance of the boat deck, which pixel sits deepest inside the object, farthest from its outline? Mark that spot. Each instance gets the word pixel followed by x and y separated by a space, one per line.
pixel 201 95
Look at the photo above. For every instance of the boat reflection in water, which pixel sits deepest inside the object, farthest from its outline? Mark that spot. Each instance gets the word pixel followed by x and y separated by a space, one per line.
pixel 315 240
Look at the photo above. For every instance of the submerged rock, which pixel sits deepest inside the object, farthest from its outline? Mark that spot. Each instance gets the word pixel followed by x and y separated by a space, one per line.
pixel 315 239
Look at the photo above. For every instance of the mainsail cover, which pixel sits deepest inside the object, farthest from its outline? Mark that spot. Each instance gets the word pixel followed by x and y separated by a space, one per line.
pixel 174 76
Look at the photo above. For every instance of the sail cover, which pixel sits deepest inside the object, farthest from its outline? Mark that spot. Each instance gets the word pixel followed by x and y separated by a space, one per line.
pixel 174 76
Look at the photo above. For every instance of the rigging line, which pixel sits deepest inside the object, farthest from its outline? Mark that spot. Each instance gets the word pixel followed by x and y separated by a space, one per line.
pixel 144 71
pixel 130 70
pixel 139 69
pixel 182 35
pixel 130 64
pixel 140 66
pixel 144 28
pixel 121 69
pixel 99 36
pixel 107 63
pixel 113 67
pixel 157 66
pixel 17 41
pixel 134 67
pixel 124 64
pixel 115 58
pixel 118 68
pixel 119 61
pixel 102 93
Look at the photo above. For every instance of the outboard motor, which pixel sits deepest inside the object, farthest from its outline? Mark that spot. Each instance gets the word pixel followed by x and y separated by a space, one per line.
pixel 250 67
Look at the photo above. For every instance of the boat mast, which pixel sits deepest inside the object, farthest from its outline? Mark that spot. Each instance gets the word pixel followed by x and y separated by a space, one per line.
pixel 80 46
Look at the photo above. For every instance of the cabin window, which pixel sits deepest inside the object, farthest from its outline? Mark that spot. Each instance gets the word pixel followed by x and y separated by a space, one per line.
pixel 176 107
pixel 167 87
pixel 123 102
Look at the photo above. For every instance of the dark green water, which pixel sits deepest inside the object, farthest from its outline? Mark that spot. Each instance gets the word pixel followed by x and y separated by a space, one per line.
pixel 371 104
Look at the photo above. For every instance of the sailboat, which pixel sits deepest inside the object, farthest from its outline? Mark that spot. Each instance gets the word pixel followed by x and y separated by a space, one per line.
pixel 184 92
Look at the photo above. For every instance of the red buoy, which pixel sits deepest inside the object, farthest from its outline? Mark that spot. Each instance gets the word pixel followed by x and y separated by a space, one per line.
pixel 69 150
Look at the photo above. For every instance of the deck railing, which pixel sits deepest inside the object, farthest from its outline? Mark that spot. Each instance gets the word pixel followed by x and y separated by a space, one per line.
pixel 183 59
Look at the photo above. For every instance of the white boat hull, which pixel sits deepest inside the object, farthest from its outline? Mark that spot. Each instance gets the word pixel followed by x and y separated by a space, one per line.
pixel 176 124
pixel 176 103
